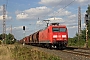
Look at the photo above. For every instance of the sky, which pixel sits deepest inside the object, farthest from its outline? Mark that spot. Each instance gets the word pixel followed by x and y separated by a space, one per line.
pixel 31 13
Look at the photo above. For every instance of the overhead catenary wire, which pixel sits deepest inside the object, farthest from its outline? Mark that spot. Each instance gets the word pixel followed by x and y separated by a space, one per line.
pixel 64 7
pixel 69 4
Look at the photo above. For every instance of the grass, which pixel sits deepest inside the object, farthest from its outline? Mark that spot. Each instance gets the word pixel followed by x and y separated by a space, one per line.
pixel 5 53
pixel 24 53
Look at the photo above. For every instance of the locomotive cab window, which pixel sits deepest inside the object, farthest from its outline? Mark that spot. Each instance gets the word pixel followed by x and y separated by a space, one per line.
pixel 55 29
pixel 59 29
pixel 62 29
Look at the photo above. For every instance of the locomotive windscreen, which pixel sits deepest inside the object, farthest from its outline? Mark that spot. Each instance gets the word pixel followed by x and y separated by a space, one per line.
pixel 59 29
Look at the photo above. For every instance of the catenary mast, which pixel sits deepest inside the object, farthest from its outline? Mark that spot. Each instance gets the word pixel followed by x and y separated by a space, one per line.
pixel 79 22
pixel 4 23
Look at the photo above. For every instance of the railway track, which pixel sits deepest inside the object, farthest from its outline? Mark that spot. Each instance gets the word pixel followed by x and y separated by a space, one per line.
pixel 68 53
pixel 86 54
pixel 73 50
pixel 78 51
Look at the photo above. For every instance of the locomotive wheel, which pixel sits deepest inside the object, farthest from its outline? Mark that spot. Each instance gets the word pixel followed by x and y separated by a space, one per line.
pixel 59 46
pixel 50 46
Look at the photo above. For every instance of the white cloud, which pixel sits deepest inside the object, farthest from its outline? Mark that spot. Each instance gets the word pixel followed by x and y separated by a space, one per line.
pixel 14 28
pixel 19 27
pixel 72 16
pixel 1 17
pixel 63 12
pixel 50 2
pixel 73 27
pixel 60 12
pixel 52 20
pixel 34 13
pixel 63 3
pixel 55 20
pixel 39 22
pixel 82 1
pixel 6 17
pixel 22 16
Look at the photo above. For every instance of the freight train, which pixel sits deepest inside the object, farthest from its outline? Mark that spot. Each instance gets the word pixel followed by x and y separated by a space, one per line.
pixel 55 35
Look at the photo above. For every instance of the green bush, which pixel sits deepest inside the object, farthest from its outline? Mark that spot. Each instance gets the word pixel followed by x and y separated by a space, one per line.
pixel 76 42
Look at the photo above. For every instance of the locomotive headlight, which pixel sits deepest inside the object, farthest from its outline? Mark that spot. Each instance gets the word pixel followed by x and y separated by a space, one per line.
pixel 54 36
pixel 63 36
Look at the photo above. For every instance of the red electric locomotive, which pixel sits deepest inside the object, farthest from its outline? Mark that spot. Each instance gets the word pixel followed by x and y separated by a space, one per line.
pixel 55 35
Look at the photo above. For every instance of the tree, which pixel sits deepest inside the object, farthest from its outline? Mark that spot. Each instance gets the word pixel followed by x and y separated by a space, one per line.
pixel 1 37
pixel 10 39
pixel 88 12
pixel 83 35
